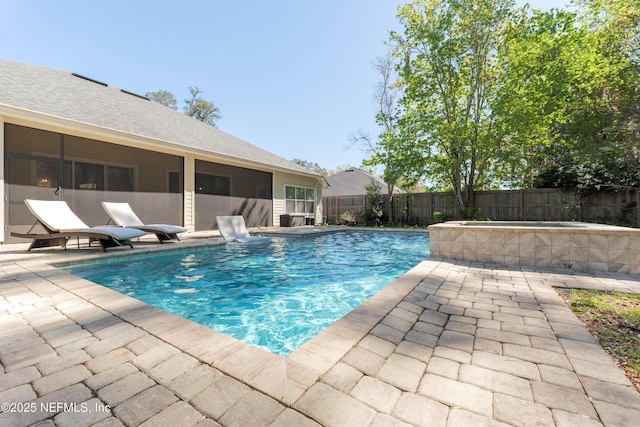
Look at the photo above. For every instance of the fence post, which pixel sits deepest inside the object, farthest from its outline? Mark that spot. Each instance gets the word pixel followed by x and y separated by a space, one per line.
pixel 430 217
pixel 579 204
pixel 521 205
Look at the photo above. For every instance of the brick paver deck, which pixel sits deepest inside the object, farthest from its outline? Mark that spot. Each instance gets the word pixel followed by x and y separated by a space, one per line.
pixel 448 344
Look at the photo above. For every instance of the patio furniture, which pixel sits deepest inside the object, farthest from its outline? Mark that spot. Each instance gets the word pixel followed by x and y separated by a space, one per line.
pixel 122 215
pixel 60 224
pixel 233 229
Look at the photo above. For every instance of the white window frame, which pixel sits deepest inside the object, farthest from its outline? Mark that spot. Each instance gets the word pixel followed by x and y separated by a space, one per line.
pixel 295 200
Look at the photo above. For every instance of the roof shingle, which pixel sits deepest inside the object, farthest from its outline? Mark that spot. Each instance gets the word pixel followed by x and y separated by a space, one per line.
pixel 59 93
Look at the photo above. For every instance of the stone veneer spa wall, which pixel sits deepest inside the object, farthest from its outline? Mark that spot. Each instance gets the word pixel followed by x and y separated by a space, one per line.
pixel 575 245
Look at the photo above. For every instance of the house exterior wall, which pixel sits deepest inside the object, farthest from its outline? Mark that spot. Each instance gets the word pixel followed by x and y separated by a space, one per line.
pixel 189 192
pixel 223 189
pixel 108 141
pixel 50 165
pixel 281 180
pixel 2 183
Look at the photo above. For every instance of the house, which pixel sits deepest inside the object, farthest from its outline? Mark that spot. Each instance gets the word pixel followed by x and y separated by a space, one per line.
pixel 352 182
pixel 66 136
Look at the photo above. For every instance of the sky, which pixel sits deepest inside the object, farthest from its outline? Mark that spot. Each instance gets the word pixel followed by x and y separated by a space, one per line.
pixel 294 77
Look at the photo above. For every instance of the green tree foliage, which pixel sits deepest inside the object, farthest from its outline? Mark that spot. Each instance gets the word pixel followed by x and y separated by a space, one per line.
pixel 449 72
pixel 386 149
pixel 534 93
pixel 613 140
pixel 201 109
pixel 493 96
pixel 196 107
pixel 313 166
pixel 163 97
pixel 568 104
pixel 373 211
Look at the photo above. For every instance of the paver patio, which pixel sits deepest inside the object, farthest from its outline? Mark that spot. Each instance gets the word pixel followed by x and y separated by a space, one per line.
pixel 448 344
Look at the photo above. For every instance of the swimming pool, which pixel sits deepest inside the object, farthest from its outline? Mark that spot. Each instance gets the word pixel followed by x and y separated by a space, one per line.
pixel 277 294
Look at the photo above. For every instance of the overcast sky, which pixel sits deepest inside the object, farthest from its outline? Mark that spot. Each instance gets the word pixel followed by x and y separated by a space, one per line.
pixel 291 76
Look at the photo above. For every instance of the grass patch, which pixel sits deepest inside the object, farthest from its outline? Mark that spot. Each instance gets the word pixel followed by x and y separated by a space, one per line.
pixel 614 320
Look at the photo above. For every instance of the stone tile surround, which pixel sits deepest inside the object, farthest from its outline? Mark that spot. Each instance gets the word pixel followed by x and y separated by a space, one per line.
pixel 576 246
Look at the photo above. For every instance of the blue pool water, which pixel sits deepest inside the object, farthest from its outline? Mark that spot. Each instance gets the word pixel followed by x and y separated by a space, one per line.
pixel 275 295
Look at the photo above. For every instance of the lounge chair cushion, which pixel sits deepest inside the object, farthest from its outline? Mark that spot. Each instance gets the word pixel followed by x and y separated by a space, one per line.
pixel 57 216
pixel 123 215
pixel 233 229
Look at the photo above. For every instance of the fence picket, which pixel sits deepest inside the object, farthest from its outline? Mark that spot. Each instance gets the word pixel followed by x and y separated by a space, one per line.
pixel 542 204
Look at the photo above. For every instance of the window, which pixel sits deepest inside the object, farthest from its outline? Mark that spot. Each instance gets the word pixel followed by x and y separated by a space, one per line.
pixel 93 176
pixel 46 173
pixel 89 176
pixel 174 182
pixel 299 200
pixel 215 185
pixel 120 168
pixel 119 178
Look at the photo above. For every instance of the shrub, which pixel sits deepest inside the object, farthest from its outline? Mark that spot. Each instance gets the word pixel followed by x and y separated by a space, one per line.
pixel 347 218
pixel 440 217
pixel 374 212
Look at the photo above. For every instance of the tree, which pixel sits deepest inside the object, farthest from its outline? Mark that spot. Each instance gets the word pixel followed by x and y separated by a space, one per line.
pixel 201 109
pixel 449 72
pixel 386 149
pixel 313 166
pixel 613 80
pixel 494 96
pixel 569 96
pixel 163 97
pixel 196 107
pixel 373 211
pixel 535 92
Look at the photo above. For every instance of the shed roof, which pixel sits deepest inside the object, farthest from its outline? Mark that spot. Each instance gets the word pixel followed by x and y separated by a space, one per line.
pixel 62 94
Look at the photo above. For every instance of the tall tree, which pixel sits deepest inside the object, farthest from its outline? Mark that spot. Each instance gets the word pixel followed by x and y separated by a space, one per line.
pixel 201 109
pixel 385 150
pixel 449 72
pixel 164 97
pixel 313 166
pixel 196 106
pixel 568 96
pixel 535 92
pixel 614 78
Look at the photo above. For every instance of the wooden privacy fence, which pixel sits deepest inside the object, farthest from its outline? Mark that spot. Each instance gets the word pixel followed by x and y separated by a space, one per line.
pixel 334 206
pixel 545 204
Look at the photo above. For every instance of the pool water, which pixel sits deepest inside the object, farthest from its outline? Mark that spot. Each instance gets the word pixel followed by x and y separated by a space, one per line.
pixel 277 294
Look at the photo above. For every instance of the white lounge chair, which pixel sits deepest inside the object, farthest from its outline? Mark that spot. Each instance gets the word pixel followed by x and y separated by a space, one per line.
pixel 121 214
pixel 233 229
pixel 60 224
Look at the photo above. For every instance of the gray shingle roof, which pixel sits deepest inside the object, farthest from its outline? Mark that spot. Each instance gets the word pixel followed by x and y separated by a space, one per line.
pixel 58 93
pixel 352 182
